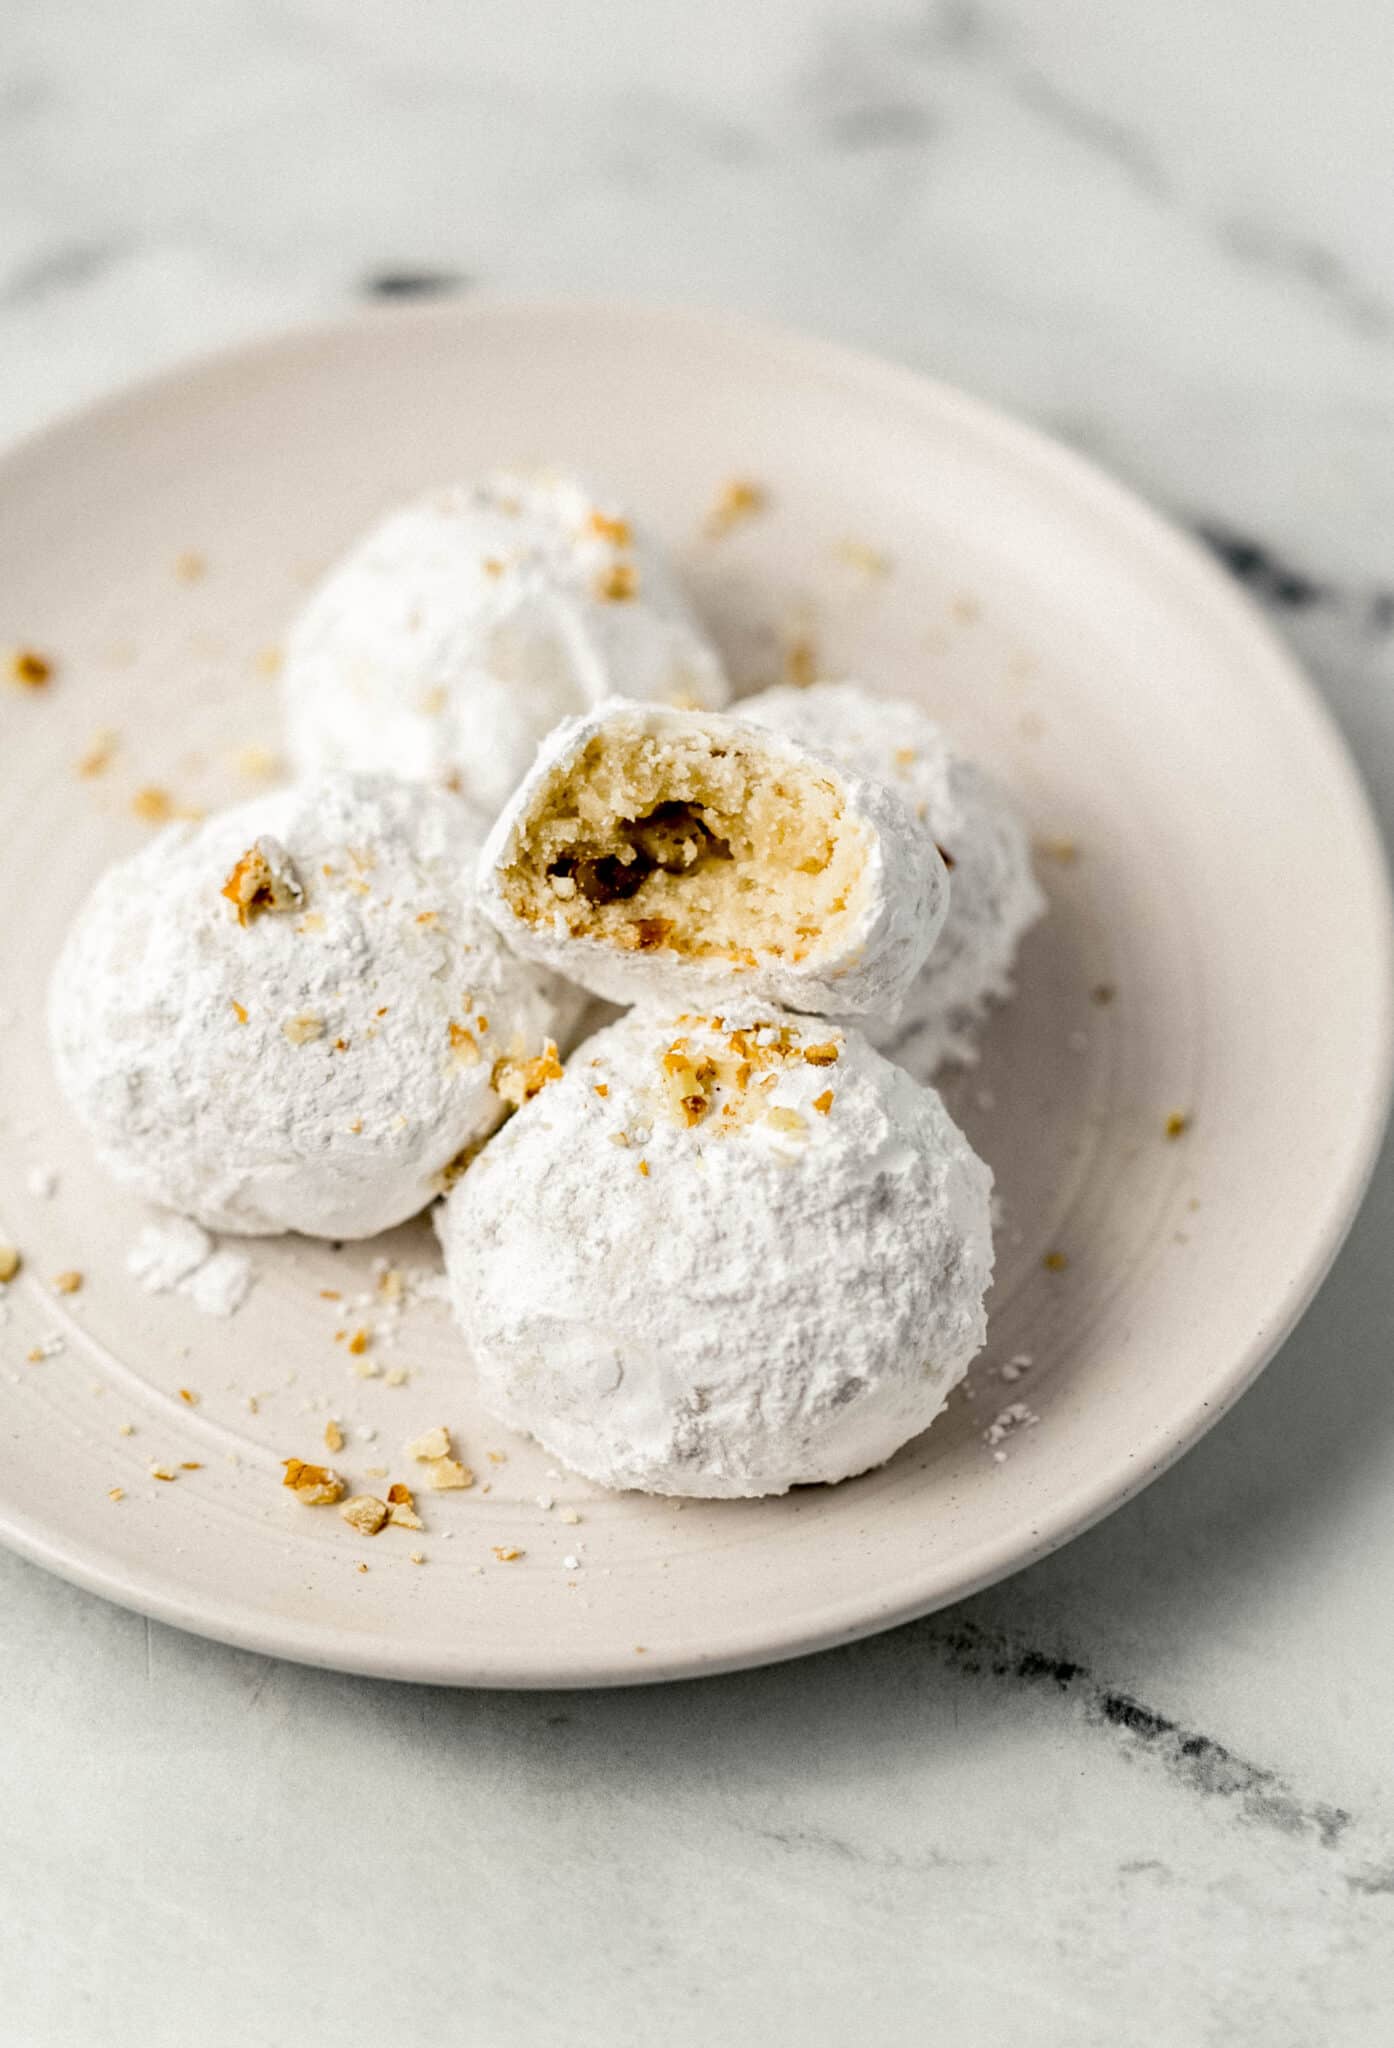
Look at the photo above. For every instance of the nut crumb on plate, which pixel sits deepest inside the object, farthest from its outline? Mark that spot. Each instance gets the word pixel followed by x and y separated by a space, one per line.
pixel 315 1485
pixel 448 1475
pixel 365 1512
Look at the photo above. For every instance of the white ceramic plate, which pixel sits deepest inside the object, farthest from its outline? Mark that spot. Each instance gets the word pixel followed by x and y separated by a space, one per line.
pixel 1226 882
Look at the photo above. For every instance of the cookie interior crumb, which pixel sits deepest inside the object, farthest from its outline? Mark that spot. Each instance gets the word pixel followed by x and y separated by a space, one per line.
pixel 690 843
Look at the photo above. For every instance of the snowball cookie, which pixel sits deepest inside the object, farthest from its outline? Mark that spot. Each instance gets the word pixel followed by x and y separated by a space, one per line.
pixel 993 896
pixel 690 857
pixel 722 1256
pixel 463 626
pixel 292 1017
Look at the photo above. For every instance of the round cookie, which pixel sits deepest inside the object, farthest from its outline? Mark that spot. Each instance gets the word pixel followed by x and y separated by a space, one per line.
pixel 994 897
pixel 291 1017
pixel 690 858
pixel 460 628
pixel 722 1257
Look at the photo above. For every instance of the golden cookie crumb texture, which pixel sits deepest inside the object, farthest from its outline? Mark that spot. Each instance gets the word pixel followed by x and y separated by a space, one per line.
pixel 264 879
pixel 29 669
pixel 517 1080
pixel 364 1512
pixel 153 805
pixel 401 1507
pixel 448 1475
pixel 101 750
pixel 619 584
pixel 739 499
pixel 315 1485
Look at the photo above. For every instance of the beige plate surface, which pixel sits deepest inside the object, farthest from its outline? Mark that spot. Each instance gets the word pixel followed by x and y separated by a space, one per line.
pixel 1213 863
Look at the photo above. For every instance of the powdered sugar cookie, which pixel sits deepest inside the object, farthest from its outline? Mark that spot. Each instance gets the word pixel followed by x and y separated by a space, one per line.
pixel 686 857
pixel 457 632
pixel 722 1256
pixel 994 898
pixel 291 1017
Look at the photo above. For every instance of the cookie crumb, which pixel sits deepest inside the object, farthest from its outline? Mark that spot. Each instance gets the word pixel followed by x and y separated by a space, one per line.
pixel 364 1512
pixel 800 661
pixel 518 1080
pixel 29 669
pixel 448 1475
pixel 737 500
pixel 869 561
pixel 315 1485
pixel 101 749
pixel 618 584
pixel 401 1507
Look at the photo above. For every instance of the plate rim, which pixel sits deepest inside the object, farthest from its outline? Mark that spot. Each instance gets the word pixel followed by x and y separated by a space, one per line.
pixel 149 1592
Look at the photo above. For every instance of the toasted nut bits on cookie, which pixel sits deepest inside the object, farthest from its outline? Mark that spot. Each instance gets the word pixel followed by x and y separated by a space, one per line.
pixel 297 1069
pixel 456 633
pixel 673 856
pixel 787 1295
pixel 994 898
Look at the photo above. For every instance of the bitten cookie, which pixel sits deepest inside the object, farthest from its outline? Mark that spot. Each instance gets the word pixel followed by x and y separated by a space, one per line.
pixel 684 857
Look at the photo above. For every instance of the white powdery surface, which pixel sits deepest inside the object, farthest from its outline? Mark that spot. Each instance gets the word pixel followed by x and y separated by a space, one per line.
pixel 457 631
pixel 994 897
pixel 783 1291
pixel 375 1010
pixel 175 1256
pixel 893 920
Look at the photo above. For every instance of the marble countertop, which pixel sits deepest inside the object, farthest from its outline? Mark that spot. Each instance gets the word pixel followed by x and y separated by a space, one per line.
pixel 1142 1791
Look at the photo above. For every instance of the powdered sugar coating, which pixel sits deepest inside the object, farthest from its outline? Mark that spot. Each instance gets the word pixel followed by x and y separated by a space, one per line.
pixel 994 897
pixel 362 1068
pixel 730 1307
pixel 460 628
pixel 894 917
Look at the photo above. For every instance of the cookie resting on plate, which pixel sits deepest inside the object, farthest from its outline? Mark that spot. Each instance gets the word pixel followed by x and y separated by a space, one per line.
pixel 994 898
pixel 460 628
pixel 722 1256
pixel 292 1017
